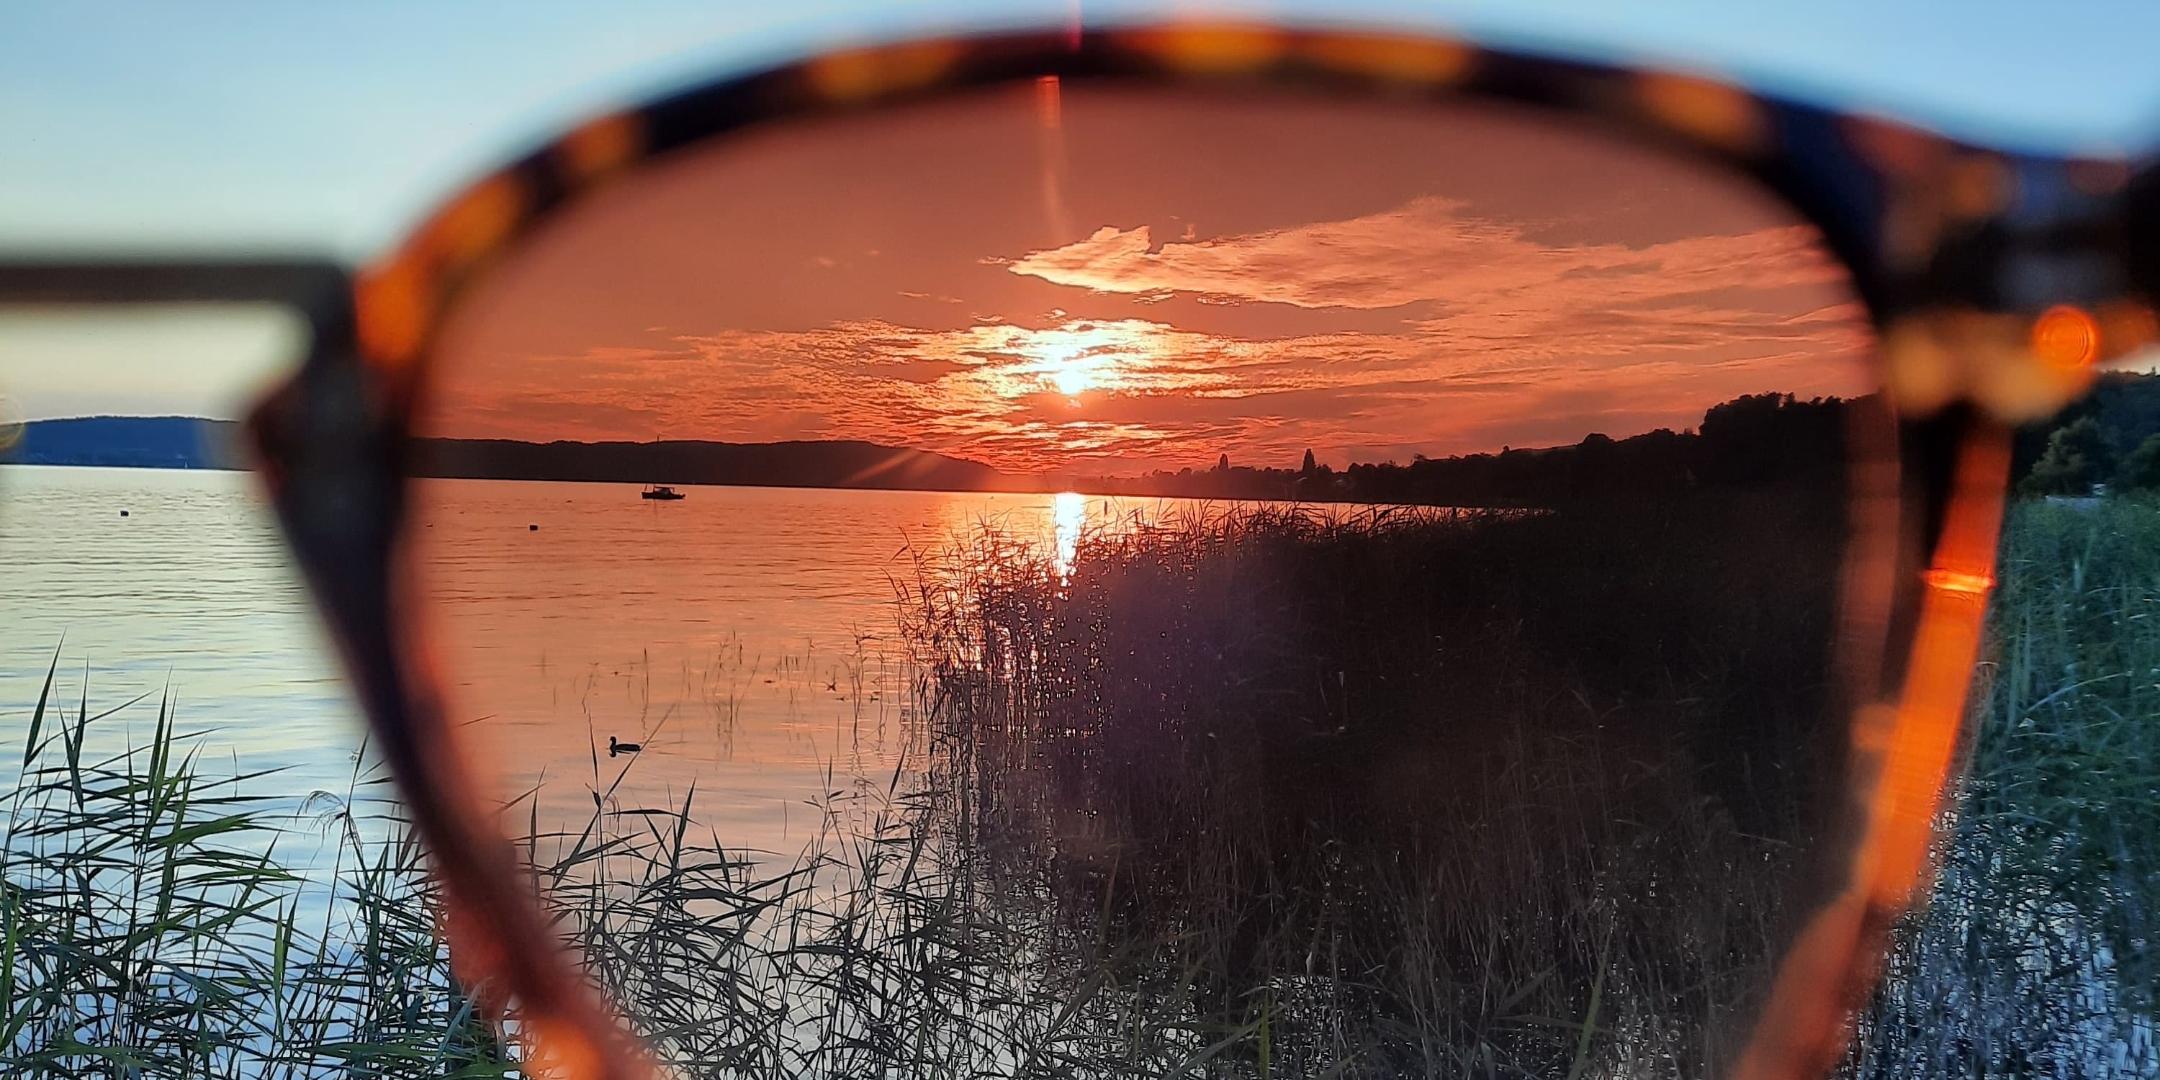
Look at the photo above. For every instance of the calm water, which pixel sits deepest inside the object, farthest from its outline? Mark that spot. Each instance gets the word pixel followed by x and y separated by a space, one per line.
pixel 746 637
pixel 190 594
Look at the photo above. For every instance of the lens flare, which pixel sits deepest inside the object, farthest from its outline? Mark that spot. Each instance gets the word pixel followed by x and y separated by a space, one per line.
pixel 2065 337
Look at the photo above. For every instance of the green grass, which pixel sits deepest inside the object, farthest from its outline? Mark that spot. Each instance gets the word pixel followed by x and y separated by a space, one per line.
pixel 2037 952
pixel 150 927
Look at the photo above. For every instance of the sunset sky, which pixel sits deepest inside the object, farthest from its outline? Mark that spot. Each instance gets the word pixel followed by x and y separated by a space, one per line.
pixel 1089 281
pixel 333 127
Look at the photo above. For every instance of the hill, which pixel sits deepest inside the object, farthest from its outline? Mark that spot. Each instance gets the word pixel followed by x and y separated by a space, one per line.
pixel 187 442
pixel 836 464
pixel 141 442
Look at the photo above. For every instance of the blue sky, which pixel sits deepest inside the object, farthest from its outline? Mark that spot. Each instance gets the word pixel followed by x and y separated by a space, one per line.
pixel 329 127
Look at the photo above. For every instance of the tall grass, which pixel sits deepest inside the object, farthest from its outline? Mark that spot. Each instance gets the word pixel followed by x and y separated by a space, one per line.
pixel 1393 793
pixel 1052 892
pixel 149 928
pixel 1095 696
pixel 2039 951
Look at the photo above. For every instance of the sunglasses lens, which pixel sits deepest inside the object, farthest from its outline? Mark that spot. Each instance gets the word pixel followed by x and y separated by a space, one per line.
pixel 1118 574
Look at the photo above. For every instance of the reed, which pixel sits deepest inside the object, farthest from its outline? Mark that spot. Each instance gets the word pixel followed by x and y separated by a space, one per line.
pixel 151 930
pixel 1056 889
pixel 2036 954
pixel 149 927
pixel 1347 791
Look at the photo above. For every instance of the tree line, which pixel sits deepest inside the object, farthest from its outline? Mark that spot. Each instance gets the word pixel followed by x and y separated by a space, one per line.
pixel 1753 439
pixel 2110 440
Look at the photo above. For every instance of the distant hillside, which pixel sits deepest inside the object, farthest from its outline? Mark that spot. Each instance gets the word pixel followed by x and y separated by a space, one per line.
pixel 141 442
pixel 186 442
pixel 781 464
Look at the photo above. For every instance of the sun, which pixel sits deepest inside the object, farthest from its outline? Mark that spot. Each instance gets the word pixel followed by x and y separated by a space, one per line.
pixel 1067 366
pixel 1074 360
pixel 1080 359
pixel 1073 378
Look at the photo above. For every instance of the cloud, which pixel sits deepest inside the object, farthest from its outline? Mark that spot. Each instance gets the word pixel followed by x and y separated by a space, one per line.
pixel 1428 250
pixel 1485 335
pixel 1158 396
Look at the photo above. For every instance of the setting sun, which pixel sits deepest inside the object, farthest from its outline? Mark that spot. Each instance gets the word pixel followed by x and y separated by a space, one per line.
pixel 1401 284
pixel 1072 378
pixel 1074 359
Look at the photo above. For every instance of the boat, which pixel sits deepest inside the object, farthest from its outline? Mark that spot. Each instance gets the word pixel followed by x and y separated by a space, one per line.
pixel 660 491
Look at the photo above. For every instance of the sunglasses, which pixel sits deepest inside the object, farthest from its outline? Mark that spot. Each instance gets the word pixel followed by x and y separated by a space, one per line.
pixel 1361 496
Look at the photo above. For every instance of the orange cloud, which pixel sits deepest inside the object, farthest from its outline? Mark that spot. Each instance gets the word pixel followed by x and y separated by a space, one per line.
pixel 896 281
pixel 1159 396
pixel 1428 251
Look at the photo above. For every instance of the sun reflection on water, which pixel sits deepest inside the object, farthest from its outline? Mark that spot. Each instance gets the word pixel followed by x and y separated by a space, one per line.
pixel 1068 512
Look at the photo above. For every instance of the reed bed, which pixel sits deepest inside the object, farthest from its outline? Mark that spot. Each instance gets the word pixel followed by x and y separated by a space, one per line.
pixel 150 928
pixel 1337 787
pixel 1159 834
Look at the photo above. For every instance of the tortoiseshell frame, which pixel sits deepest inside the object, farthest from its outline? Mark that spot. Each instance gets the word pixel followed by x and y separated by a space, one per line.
pixel 1956 251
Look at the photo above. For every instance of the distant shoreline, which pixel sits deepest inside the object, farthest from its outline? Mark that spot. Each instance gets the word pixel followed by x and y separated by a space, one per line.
pixel 144 465
pixel 138 467
pixel 180 442
pixel 634 483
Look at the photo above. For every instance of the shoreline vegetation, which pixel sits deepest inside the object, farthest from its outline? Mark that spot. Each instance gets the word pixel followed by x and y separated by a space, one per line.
pixel 2109 439
pixel 1755 433
pixel 1342 781
pixel 1170 926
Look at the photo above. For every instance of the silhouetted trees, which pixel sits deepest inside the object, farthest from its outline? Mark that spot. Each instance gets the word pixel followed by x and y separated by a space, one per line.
pixel 2077 457
pixel 1753 440
pixel 2141 470
pixel 822 464
pixel 2101 439
pixel 1757 439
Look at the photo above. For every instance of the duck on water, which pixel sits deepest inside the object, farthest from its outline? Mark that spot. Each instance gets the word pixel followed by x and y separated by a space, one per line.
pixel 614 747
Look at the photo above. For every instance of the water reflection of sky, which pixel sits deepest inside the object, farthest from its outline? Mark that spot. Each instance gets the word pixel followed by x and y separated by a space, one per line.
pixel 748 638
pixel 188 600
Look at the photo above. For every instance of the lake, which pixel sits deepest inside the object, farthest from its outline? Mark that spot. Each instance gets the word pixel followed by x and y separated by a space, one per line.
pixel 190 593
pixel 744 636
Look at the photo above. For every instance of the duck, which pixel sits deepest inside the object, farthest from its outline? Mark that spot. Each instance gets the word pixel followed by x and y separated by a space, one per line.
pixel 614 747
